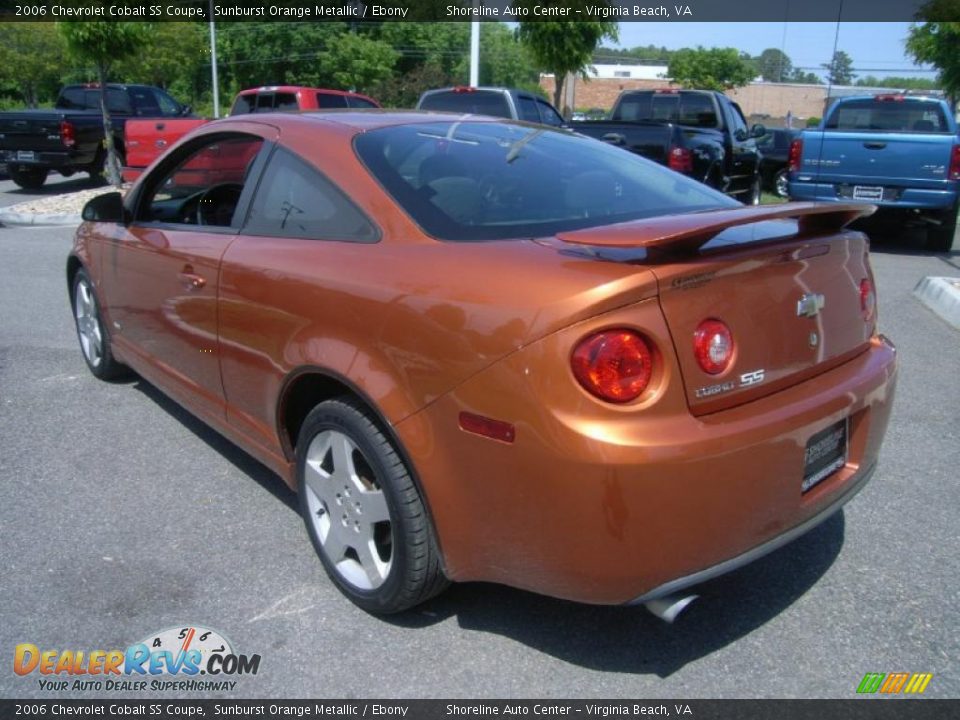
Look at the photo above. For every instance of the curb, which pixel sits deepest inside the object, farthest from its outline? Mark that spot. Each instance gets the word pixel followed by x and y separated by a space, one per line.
pixel 942 295
pixel 14 219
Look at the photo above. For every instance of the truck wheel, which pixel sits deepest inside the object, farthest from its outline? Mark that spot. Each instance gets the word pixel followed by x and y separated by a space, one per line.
pixel 940 237
pixel 781 184
pixel 28 177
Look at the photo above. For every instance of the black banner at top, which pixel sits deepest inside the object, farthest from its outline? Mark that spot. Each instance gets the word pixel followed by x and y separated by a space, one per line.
pixel 467 10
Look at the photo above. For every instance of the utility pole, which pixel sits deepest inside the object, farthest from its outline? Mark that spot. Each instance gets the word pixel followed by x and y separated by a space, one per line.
pixel 213 64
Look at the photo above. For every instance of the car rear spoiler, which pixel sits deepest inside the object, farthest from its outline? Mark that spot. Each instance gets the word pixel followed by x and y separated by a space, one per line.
pixel 688 233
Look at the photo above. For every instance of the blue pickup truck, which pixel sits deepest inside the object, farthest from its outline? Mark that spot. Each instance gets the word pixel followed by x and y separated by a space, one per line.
pixel 898 152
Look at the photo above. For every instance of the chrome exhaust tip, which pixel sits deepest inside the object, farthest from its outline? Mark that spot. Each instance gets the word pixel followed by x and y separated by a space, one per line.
pixel 669 607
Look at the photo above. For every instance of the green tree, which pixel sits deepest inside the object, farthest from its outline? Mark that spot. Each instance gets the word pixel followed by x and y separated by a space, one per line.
pixel 937 42
pixel 31 58
pixel 773 65
pixel 710 69
pixel 504 60
pixel 893 81
pixel 839 69
pixel 564 47
pixel 174 56
pixel 356 62
pixel 101 44
pixel 804 78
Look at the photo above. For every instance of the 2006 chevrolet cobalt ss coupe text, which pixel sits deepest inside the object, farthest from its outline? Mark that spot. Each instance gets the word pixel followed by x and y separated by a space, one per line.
pixel 485 350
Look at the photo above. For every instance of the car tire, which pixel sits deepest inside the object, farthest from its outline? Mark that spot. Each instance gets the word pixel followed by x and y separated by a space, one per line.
pixel 91 330
pixel 940 237
pixel 28 177
pixel 781 184
pixel 363 511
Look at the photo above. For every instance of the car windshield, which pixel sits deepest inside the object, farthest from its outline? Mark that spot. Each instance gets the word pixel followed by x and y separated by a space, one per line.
pixel 497 181
pixel 893 114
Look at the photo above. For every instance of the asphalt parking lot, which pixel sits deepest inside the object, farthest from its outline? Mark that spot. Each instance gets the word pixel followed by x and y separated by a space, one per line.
pixel 123 516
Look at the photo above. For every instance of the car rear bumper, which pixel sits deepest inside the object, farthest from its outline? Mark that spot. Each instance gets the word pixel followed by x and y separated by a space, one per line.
pixel 44 159
pixel 681 584
pixel 894 197
pixel 630 508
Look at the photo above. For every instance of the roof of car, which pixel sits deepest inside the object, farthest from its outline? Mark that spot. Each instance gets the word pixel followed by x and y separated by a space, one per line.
pixel 358 120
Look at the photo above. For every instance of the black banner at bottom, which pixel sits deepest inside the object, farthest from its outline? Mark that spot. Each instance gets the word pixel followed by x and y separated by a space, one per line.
pixel 864 708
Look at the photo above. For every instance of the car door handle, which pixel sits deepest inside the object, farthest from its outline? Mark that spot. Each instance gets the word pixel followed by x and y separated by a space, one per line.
pixel 874 145
pixel 614 139
pixel 190 280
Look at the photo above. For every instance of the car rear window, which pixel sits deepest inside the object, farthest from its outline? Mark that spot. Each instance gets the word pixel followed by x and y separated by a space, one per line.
pixel 896 114
pixel 497 181
pixel 243 104
pixel 476 102
pixel 683 108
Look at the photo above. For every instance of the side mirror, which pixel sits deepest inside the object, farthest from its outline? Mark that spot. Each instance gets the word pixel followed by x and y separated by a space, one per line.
pixel 106 208
pixel 186 110
pixel 758 130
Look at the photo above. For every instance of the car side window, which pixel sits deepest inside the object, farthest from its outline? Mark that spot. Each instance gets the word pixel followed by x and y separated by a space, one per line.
pixel 548 115
pixel 327 100
pixel 527 109
pixel 738 123
pixel 168 106
pixel 359 102
pixel 118 101
pixel 295 200
pixel 204 186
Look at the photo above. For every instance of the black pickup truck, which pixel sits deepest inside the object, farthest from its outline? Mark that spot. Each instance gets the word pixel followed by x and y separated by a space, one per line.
pixel 699 133
pixel 70 138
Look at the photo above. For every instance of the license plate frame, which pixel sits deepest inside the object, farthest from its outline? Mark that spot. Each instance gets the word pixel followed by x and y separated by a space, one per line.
pixel 824 454
pixel 26 156
pixel 867 192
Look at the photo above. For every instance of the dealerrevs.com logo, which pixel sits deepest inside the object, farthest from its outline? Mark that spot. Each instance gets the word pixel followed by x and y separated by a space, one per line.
pixel 170 660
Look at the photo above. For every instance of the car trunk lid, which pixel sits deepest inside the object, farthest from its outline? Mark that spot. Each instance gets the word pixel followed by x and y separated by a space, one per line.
pixel 786 280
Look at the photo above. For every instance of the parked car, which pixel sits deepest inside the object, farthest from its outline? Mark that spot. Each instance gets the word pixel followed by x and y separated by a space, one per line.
pixel 700 133
pixel 148 139
pixel 898 152
pixel 70 138
pixel 774 150
pixel 484 350
pixel 494 101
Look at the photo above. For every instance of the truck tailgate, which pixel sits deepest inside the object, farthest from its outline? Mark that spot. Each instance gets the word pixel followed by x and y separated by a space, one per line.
pixel 36 131
pixel 876 158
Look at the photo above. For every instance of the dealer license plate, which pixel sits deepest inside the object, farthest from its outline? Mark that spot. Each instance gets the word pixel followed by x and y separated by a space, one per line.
pixel 825 454
pixel 867 192
pixel 26 155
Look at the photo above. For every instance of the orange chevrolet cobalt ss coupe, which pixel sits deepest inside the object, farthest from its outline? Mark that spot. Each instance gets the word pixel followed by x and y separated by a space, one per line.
pixel 485 350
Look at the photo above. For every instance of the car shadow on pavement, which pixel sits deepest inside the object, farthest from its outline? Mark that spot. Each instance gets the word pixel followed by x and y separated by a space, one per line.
pixel 910 243
pixel 58 185
pixel 630 639
pixel 245 463
pixel 606 638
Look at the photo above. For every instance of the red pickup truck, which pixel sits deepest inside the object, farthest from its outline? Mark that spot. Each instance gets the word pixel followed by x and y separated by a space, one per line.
pixel 146 140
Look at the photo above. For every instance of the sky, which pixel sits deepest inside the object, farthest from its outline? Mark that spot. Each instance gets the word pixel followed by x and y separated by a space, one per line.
pixel 876 48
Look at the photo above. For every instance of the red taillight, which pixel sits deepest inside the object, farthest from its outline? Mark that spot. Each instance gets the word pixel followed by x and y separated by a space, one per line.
pixel 793 159
pixel 868 300
pixel 954 173
pixel 68 134
pixel 680 159
pixel 713 346
pixel 614 365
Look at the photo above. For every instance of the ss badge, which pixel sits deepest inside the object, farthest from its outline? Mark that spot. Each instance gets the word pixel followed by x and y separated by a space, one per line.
pixel 751 378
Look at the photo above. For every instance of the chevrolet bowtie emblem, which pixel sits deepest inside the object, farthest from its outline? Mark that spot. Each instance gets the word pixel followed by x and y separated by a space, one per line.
pixel 810 304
